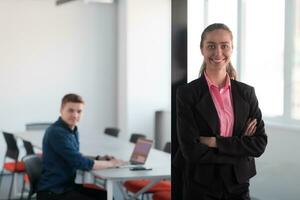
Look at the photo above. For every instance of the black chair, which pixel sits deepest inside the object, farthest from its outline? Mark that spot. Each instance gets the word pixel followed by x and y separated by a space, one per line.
pixel 29 151
pixel 167 147
pixel 112 131
pixel 28 147
pixel 33 168
pixel 135 136
pixel 12 152
pixel 37 126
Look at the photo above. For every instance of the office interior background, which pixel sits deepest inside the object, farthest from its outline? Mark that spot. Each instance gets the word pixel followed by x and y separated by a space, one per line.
pixel 118 57
pixel 115 55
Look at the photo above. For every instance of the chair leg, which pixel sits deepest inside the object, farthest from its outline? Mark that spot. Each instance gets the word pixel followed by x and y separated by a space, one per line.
pixel 23 189
pixel 1 176
pixel 11 186
pixel 2 172
pixel 146 195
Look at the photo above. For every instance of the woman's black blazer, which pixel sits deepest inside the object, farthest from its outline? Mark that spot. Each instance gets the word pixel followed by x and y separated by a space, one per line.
pixel 233 160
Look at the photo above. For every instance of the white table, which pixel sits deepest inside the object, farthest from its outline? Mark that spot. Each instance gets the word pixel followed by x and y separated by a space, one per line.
pixel 101 144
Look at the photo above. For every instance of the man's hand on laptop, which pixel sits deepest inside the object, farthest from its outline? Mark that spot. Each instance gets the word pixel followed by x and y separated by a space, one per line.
pixel 103 164
pixel 117 162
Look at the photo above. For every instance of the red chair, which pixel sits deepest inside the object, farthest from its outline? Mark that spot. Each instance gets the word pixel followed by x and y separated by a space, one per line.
pixel 166 195
pixel 136 185
pixel 93 186
pixel 15 166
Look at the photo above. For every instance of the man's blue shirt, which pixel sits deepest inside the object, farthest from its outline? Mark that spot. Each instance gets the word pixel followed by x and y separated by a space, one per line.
pixel 61 158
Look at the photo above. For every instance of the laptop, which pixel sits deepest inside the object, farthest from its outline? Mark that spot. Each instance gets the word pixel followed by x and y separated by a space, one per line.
pixel 140 153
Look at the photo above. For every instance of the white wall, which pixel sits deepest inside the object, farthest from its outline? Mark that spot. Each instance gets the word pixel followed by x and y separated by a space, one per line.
pixel 47 51
pixel 278 168
pixel 145 63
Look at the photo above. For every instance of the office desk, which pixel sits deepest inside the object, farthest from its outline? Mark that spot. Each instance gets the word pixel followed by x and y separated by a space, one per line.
pixel 101 144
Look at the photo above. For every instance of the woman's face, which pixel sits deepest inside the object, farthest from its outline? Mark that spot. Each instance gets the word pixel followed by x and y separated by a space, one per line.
pixel 217 49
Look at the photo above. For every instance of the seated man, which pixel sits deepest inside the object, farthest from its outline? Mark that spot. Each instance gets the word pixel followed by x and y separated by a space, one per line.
pixel 61 157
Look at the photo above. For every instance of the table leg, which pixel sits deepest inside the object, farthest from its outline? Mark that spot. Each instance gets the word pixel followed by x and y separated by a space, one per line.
pixel 15 191
pixel 109 189
pixel 121 188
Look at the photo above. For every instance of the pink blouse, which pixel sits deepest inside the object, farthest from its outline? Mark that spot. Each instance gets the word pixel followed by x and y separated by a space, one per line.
pixel 223 103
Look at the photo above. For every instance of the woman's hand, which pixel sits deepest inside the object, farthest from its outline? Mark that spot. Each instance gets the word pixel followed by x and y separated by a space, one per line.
pixel 250 127
pixel 209 141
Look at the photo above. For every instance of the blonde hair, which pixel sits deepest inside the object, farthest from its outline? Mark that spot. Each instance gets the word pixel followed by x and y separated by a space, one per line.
pixel 229 69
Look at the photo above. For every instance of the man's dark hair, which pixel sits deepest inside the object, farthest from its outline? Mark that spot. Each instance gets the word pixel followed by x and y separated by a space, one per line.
pixel 74 98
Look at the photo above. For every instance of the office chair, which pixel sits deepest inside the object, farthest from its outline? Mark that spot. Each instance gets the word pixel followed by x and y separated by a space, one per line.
pixel 37 126
pixel 12 152
pixel 165 195
pixel 167 147
pixel 33 167
pixel 29 151
pixel 93 186
pixel 136 185
pixel 135 136
pixel 112 131
pixel 28 147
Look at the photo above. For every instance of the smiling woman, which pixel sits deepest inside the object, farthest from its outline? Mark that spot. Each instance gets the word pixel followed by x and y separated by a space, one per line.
pixel 216 49
pixel 217 142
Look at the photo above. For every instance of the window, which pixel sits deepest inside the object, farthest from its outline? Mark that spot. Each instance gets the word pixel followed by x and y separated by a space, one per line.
pixel 295 92
pixel 267 49
pixel 200 14
pixel 264 53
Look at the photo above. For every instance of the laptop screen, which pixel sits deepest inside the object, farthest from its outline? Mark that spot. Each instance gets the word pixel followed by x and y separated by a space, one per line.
pixel 141 151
